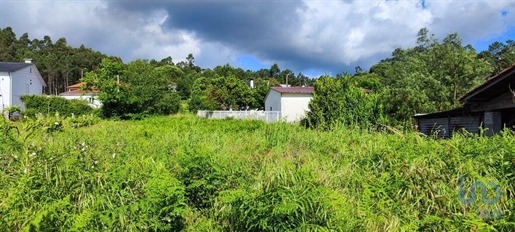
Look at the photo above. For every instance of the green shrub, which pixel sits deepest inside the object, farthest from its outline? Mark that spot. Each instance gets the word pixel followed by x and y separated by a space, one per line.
pixel 133 91
pixel 202 178
pixel 284 200
pixel 338 101
pixel 50 105
pixel 168 104
pixel 13 109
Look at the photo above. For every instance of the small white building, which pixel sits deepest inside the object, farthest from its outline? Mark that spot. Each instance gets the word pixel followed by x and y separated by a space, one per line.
pixel 292 102
pixel 17 79
pixel 75 92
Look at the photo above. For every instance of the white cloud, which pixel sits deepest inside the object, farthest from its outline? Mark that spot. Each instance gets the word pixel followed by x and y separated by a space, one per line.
pixel 349 32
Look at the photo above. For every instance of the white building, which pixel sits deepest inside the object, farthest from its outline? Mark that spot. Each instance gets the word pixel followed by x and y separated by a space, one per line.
pixel 292 102
pixel 75 92
pixel 17 79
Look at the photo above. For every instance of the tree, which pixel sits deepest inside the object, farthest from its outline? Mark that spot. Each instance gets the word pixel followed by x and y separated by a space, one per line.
pixel 261 88
pixel 430 77
pixel 499 55
pixel 358 70
pixel 338 101
pixel 8 45
pixel 274 71
pixel 369 81
pixel 185 83
pixel 191 60
pixel 132 91
pixel 199 100
pixel 292 80
pixel 230 93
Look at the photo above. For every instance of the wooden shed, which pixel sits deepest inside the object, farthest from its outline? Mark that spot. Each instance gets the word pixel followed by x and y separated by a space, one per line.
pixel 490 106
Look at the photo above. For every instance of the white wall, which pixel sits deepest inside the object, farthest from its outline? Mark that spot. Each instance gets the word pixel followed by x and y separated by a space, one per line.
pixel 5 89
pixel 295 105
pixel 25 82
pixel 273 100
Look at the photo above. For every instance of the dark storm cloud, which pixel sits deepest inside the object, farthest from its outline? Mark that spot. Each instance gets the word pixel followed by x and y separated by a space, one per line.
pixel 257 26
pixel 261 28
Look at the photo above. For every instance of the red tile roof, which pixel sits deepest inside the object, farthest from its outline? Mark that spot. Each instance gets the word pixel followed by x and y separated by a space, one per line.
pixel 76 89
pixel 75 86
pixel 78 92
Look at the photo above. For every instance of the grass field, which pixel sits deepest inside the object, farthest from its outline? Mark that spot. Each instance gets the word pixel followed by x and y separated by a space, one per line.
pixel 186 173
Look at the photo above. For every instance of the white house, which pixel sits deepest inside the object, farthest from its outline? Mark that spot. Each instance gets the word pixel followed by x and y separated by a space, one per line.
pixel 17 79
pixel 75 92
pixel 292 102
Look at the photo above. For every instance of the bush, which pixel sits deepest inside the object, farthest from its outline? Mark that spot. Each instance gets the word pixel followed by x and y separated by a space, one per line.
pixel 133 91
pixel 13 109
pixel 338 101
pixel 169 104
pixel 50 105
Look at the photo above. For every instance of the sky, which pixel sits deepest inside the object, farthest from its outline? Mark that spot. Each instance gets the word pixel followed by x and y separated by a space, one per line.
pixel 314 37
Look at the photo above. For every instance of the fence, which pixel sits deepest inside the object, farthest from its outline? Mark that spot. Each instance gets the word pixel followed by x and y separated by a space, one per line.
pixel 268 116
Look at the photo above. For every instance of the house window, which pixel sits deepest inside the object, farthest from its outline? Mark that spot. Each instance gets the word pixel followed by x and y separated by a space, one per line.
pixel 270 108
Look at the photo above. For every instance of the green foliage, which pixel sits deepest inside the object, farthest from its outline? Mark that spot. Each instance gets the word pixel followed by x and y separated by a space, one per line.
pixel 338 101
pixel 427 78
pixel 168 104
pixel 186 173
pixel 35 104
pixel 370 81
pixel 13 109
pixel 198 100
pixel 283 199
pixel 500 55
pixel 82 121
pixel 430 77
pixel 229 92
pixel 202 178
pixel 133 91
pixel 59 64
pixel 262 87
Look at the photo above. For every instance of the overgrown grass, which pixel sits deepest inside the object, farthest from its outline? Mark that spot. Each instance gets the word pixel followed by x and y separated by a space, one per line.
pixel 193 174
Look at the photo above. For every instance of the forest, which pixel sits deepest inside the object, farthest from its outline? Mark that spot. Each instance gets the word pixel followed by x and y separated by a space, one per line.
pixel 427 78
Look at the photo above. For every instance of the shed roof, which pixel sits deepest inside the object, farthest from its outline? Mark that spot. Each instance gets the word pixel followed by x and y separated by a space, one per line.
pixel 454 112
pixel 492 88
pixel 13 66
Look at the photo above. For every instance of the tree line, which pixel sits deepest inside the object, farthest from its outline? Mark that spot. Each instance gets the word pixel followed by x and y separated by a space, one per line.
pixel 428 77
pixel 60 65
